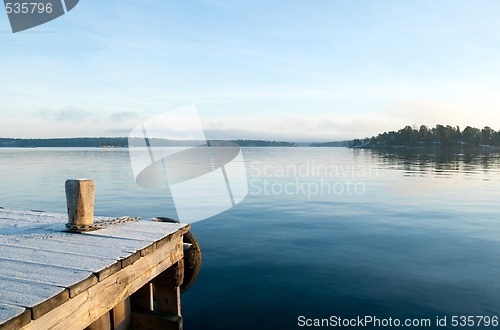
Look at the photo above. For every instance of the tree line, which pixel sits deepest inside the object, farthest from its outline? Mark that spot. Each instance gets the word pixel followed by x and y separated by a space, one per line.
pixel 439 136
pixel 96 142
pixel 64 142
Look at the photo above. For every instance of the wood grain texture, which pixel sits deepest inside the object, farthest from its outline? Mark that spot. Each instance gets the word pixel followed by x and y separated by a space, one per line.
pixel 80 201
pixel 13 317
pixel 102 323
pixel 85 308
pixel 167 290
pixel 37 297
pixel 44 274
pixel 57 259
pixel 122 315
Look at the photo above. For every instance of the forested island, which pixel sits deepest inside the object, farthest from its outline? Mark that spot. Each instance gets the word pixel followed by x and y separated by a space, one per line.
pixel 437 137
pixel 116 142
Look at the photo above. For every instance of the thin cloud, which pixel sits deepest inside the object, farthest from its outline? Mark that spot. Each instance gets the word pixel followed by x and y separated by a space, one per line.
pixel 123 116
pixel 299 128
pixel 67 115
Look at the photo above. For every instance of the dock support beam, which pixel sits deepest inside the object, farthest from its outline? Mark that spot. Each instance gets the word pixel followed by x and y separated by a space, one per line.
pixel 166 310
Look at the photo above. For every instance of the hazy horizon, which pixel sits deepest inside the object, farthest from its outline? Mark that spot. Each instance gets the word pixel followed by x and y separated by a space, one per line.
pixel 210 136
pixel 281 70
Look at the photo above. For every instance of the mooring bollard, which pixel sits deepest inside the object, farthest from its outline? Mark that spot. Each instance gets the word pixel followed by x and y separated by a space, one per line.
pixel 80 202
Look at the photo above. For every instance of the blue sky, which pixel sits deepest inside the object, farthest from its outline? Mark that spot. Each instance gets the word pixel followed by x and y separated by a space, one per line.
pixel 312 70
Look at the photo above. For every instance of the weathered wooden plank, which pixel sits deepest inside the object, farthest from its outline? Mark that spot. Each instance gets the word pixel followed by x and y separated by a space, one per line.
pixel 29 222
pixel 113 254
pixel 122 246
pixel 129 250
pixel 13 317
pixel 152 226
pixel 144 252
pixel 163 234
pixel 75 280
pixel 122 315
pixel 108 271
pixel 32 217
pixel 102 323
pixel 109 248
pixel 167 289
pixel 39 298
pixel 124 231
pixel 128 236
pixel 82 310
pixel 171 237
pixel 51 227
pixel 130 259
pixel 59 259
pixel 154 321
pixel 38 216
pixel 81 286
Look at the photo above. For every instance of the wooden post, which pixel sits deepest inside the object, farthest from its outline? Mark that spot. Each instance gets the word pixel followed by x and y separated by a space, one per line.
pixel 80 202
pixel 102 323
pixel 122 317
pixel 167 311
pixel 167 289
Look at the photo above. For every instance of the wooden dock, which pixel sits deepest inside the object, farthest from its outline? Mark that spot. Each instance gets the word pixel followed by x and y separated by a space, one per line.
pixel 124 275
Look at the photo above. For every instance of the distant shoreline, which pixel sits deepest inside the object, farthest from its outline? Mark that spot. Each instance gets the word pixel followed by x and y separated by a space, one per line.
pixel 120 142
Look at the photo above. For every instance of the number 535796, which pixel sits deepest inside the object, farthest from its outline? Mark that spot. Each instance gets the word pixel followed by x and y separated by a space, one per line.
pixel 28 8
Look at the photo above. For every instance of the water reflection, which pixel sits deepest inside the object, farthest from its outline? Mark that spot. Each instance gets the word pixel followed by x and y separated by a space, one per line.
pixel 440 162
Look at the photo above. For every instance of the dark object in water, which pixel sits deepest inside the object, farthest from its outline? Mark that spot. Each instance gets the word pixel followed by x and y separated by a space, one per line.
pixel 192 256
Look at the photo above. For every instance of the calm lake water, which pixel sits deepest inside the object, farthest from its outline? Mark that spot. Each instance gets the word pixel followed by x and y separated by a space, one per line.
pixel 323 231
